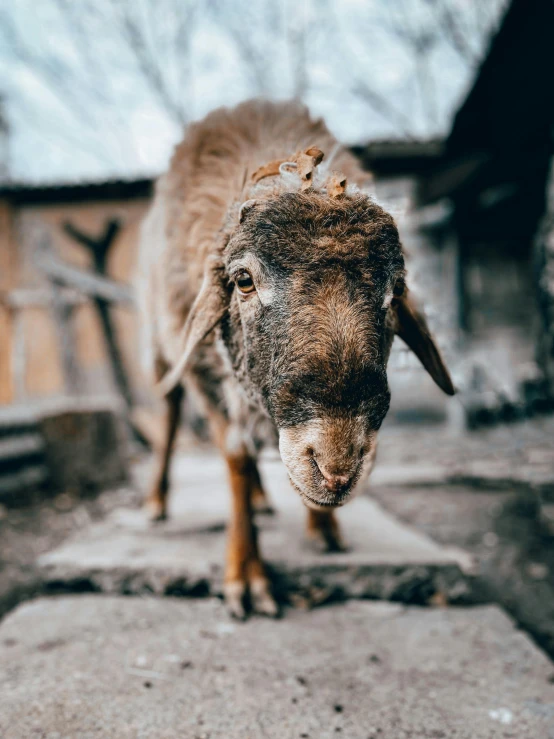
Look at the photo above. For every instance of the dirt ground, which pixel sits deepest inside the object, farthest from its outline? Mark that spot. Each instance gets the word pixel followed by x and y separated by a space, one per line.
pixel 28 532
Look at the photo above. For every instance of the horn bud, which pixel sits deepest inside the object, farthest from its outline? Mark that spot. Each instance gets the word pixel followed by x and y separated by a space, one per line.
pixel 336 185
pixel 305 161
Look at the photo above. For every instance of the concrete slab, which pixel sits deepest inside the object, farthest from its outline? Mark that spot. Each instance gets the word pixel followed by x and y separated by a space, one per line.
pixel 90 666
pixel 185 555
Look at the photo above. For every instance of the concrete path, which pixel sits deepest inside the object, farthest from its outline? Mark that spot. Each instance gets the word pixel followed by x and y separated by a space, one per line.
pixel 519 455
pixel 185 555
pixel 153 668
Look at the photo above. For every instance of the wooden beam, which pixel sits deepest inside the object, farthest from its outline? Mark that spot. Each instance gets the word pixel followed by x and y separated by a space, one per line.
pixel 19 357
pixel 33 297
pixel 94 285
pixel 99 248
pixel 62 314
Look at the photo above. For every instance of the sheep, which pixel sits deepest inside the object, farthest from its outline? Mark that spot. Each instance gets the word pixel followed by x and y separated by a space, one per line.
pixel 271 286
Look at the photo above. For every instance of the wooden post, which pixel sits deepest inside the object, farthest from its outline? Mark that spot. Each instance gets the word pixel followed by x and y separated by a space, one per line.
pixel 18 355
pixel 62 312
pixel 99 249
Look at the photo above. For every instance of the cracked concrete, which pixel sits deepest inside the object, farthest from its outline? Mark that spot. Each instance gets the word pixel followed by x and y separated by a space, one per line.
pixel 185 555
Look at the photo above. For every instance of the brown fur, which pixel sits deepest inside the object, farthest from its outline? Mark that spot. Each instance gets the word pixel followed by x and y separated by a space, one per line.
pixel 323 527
pixel 308 347
pixel 209 171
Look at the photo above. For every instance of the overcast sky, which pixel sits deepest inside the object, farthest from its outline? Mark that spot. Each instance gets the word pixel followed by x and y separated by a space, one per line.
pixel 102 88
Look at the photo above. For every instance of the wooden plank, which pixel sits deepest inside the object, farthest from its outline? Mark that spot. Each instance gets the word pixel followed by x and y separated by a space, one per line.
pixel 99 248
pixel 6 384
pixel 19 359
pixel 32 297
pixel 94 285
pixel 62 314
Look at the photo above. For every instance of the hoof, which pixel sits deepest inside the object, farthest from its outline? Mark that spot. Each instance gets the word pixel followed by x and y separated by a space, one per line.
pixel 244 598
pixel 326 542
pixel 155 511
pixel 264 509
pixel 261 504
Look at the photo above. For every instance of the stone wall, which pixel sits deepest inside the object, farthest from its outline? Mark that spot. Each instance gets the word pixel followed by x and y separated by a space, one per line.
pixel 62 447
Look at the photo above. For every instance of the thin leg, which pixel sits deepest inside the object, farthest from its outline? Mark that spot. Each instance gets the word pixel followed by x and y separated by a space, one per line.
pixel 260 501
pixel 323 528
pixel 156 503
pixel 244 569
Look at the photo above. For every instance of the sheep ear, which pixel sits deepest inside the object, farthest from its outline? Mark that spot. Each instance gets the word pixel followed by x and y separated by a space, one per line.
pixel 244 208
pixel 211 304
pixel 412 328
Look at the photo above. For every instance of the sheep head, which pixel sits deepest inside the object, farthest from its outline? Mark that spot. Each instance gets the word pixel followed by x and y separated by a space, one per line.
pixel 309 291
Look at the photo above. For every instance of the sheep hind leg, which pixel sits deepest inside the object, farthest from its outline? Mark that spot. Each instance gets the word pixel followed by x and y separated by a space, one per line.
pixel 156 502
pixel 260 501
pixel 323 529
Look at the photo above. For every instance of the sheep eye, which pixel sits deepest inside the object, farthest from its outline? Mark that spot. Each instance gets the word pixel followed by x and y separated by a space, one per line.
pixel 244 282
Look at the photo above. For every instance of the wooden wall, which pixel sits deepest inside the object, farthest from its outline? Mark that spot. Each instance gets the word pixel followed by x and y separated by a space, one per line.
pixel 7 280
pixel 30 358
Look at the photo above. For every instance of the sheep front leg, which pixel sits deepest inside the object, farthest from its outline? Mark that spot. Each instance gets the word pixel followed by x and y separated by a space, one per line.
pixel 323 528
pixel 245 572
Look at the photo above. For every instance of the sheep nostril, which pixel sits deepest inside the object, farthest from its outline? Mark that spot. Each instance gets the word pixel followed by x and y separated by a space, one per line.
pixel 332 481
pixel 335 483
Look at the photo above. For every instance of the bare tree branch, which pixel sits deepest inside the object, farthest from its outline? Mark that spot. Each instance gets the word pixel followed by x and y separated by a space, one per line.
pixel 451 28
pixel 297 42
pixel 381 105
pixel 147 62
pixel 241 28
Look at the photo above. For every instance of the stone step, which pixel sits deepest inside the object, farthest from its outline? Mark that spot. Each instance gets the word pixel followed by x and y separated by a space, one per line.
pixel 89 666
pixel 20 445
pixel 22 454
pixel 385 558
pixel 59 446
pixel 29 478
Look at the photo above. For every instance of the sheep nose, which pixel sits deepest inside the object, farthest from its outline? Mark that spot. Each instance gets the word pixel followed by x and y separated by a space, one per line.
pixel 334 482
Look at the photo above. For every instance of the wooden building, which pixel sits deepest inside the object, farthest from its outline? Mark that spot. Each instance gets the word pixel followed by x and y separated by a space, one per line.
pixel 52 332
pixel 492 185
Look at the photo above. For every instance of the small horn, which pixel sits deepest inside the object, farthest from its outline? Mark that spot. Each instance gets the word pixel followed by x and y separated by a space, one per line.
pixel 305 161
pixel 268 170
pixel 316 153
pixel 336 185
